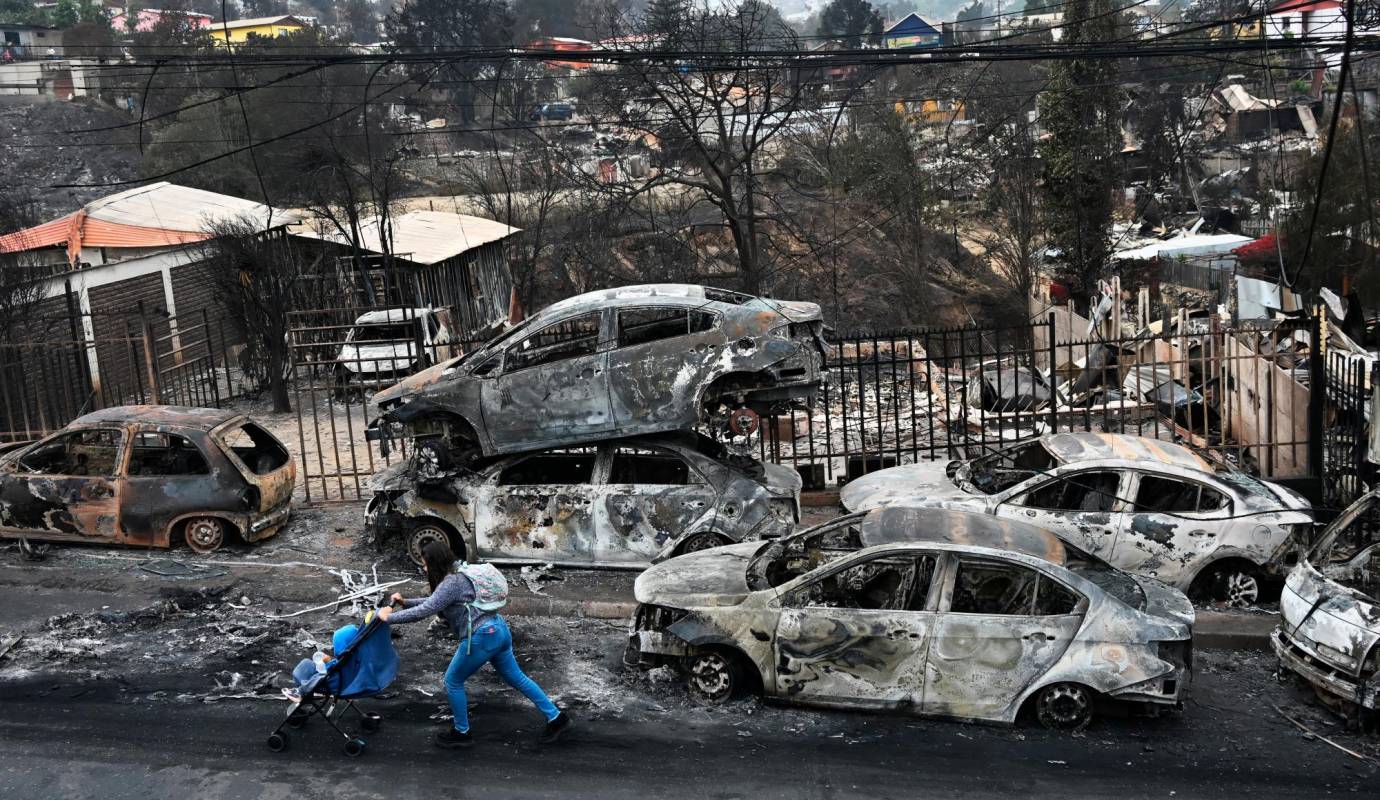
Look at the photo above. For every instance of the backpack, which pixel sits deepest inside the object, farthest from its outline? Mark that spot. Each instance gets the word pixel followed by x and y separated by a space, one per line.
pixel 490 587
pixel 490 594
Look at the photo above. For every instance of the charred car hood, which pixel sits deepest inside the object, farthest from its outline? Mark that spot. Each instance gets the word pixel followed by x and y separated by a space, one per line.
pixel 924 484
pixel 793 310
pixel 715 577
pixel 415 383
pixel 1337 624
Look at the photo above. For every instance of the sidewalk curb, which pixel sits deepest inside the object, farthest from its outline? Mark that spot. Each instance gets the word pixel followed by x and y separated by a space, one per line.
pixel 1214 629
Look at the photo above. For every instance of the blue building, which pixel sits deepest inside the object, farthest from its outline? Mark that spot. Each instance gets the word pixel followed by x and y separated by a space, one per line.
pixel 911 31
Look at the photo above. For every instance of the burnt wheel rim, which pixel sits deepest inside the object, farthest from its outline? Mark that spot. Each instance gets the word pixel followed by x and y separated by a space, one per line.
pixel 701 541
pixel 711 678
pixel 1065 707
pixel 1240 589
pixel 205 535
pixel 422 537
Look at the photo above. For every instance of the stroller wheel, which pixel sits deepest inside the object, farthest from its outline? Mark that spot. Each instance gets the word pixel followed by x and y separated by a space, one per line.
pixel 354 748
pixel 297 719
pixel 371 722
pixel 277 741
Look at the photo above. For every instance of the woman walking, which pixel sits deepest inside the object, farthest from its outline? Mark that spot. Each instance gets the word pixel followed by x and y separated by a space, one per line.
pixel 484 638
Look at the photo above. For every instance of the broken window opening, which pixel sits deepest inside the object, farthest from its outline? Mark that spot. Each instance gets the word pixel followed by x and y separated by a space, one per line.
pixel 643 325
pixel 988 588
pixel 641 465
pixel 569 338
pixel 79 453
pixel 1169 496
pixel 561 467
pixel 165 455
pixel 786 559
pixel 1002 470
pixel 256 447
pixel 890 583
pixel 725 296
pixel 1084 492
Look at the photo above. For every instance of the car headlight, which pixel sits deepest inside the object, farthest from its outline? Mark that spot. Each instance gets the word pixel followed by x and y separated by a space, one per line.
pixel 1334 655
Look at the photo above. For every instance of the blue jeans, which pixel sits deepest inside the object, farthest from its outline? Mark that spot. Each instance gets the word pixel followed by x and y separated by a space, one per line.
pixel 491 643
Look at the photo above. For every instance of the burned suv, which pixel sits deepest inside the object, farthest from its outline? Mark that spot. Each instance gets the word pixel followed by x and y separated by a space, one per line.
pixel 634 360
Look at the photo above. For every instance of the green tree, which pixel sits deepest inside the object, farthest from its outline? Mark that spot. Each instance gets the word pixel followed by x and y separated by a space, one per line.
pixel 65 15
pixel 1081 111
pixel 424 26
pixel 360 21
pixel 850 21
pixel 665 17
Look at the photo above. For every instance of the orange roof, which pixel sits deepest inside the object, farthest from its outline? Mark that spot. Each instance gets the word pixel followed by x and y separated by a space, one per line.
pixel 77 230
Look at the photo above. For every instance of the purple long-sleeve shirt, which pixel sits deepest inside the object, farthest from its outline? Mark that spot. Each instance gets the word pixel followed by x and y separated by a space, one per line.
pixel 451 599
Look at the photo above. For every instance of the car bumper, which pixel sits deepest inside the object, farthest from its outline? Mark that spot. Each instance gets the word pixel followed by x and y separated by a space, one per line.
pixel 382 521
pixel 264 525
pixel 1324 677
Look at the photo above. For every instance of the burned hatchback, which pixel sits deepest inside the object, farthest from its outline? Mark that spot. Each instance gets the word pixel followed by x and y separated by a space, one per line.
pixel 148 476
pixel 628 361
pixel 936 612
pixel 1329 631
pixel 622 502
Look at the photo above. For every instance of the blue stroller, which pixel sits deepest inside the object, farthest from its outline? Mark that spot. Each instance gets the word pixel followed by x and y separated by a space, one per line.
pixel 362 668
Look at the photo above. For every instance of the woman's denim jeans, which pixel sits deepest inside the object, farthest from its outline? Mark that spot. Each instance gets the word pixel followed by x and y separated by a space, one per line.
pixel 491 642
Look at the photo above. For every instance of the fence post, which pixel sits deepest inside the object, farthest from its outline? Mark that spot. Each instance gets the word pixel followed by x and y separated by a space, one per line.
pixel 79 344
pixel 1053 377
pixel 1317 393
pixel 150 357
pixel 210 358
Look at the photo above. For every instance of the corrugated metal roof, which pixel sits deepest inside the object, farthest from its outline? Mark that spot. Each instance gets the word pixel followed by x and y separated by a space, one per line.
pixel 254 22
pixel 422 237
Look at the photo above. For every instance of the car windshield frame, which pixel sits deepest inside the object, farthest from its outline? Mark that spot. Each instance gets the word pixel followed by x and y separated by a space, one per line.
pixel 964 477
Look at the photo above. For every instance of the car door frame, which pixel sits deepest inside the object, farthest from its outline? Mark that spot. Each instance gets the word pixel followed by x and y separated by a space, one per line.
pixel 163 514
pixel 714 340
pixel 1202 542
pixel 1023 630
pixel 604 512
pixel 1083 532
pixel 914 624
pixel 98 519
pixel 491 393
pixel 485 502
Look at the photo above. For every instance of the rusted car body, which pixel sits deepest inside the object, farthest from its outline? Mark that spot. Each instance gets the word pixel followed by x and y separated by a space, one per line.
pixel 623 502
pixel 935 612
pixel 1329 630
pixel 1146 506
pixel 147 475
pixel 629 361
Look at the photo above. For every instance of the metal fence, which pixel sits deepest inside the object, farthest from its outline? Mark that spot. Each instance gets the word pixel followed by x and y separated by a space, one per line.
pixel 1241 392
pixel 69 366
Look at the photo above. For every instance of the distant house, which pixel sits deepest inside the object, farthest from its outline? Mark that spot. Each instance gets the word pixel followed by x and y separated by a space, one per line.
pixel 239 30
pixel 911 31
pixel 563 44
pixel 146 19
pixel 28 41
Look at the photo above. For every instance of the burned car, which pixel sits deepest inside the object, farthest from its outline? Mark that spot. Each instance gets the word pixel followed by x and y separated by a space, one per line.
pixel 635 360
pixel 1146 506
pixel 936 612
pixel 621 502
pixel 1329 631
pixel 148 476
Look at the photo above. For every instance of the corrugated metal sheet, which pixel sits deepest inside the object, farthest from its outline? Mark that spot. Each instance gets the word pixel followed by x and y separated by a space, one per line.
pixel 422 237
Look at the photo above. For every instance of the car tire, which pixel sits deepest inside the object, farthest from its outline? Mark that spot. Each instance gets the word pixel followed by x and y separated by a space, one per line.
pixel 1064 707
pixel 426 531
pixel 703 540
pixel 1235 585
pixel 277 741
pixel 204 535
pixel 715 677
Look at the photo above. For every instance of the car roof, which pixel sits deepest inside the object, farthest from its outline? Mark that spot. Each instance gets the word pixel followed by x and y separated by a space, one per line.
pixel 391 315
pixel 179 416
pixel 1074 447
pixel 905 525
pixel 683 294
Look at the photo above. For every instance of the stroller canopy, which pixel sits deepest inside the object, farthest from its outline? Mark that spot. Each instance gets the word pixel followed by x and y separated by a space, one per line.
pixel 367 665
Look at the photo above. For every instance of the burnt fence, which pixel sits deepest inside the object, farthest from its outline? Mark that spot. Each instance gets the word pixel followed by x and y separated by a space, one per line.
pixel 68 366
pixel 1242 392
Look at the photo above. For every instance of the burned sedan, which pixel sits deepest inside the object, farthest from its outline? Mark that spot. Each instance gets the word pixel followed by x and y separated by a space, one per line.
pixel 621 502
pixel 1329 631
pixel 635 360
pixel 936 612
pixel 148 476
pixel 1146 506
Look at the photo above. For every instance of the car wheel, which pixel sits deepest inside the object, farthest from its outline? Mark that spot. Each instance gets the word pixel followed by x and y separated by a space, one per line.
pixel 204 534
pixel 696 542
pixel 277 741
pixel 431 459
pixel 1064 707
pixel 423 534
pixel 1232 585
pixel 715 677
